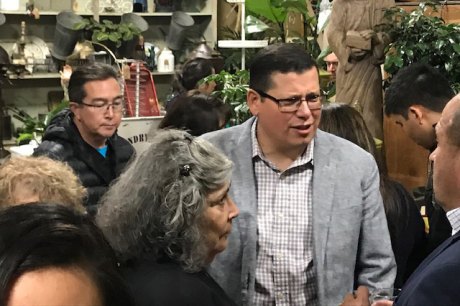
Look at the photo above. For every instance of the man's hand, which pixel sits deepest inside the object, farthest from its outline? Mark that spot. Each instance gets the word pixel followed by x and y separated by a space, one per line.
pixel 367 34
pixel 357 54
pixel 358 298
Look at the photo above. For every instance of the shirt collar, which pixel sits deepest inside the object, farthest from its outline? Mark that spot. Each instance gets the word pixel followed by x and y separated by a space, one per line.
pixel 454 219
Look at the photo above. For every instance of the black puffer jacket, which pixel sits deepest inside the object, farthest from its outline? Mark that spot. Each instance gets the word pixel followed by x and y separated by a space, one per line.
pixel 62 141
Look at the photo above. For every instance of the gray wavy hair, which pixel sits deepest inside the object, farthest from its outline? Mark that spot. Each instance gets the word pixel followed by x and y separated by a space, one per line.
pixel 155 206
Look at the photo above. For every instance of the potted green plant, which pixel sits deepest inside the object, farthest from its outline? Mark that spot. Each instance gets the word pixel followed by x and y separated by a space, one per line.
pixel 420 36
pixel 34 127
pixel 232 89
pixel 109 34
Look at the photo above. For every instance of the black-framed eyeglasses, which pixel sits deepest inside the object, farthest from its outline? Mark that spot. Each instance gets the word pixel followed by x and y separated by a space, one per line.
pixel 103 106
pixel 290 105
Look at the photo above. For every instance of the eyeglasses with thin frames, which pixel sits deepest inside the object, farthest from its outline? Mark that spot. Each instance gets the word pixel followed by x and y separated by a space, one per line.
pixel 290 105
pixel 103 106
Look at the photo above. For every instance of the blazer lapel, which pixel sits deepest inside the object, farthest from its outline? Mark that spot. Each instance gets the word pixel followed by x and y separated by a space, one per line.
pixel 411 283
pixel 243 172
pixel 433 255
pixel 323 194
pixel 244 193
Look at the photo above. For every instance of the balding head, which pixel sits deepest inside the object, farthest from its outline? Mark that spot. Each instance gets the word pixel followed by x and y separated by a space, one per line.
pixel 451 114
pixel 446 157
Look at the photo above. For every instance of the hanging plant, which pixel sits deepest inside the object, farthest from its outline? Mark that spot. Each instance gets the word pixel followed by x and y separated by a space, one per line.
pixel 420 36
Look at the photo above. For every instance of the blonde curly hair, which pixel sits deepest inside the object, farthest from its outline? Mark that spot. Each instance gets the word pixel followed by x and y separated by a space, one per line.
pixel 39 179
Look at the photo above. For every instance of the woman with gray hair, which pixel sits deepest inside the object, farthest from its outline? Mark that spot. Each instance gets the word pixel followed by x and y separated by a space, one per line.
pixel 167 216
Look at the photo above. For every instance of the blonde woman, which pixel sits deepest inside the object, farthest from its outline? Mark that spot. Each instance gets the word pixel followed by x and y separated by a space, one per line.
pixel 39 179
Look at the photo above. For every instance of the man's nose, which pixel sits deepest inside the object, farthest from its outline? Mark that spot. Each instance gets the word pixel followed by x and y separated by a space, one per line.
pixel 109 112
pixel 304 109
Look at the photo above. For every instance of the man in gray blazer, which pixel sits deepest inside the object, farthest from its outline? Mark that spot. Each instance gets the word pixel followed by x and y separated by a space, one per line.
pixel 312 225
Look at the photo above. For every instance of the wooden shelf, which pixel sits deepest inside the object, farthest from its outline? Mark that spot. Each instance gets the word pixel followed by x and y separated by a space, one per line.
pixel 159 14
pixel 38 76
pixel 162 73
pixel 242 43
pixel 42 13
pixel 30 91
pixel 44 75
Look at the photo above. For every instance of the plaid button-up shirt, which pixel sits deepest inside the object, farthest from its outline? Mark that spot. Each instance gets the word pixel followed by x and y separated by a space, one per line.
pixel 284 272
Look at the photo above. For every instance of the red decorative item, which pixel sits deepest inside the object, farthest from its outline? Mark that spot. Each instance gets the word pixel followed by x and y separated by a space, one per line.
pixel 139 87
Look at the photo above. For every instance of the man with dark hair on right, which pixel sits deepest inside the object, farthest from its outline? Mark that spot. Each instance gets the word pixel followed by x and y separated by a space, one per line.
pixel 415 99
pixel 435 282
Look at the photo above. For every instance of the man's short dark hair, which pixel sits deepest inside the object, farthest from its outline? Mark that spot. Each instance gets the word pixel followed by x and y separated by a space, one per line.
pixel 87 73
pixel 284 58
pixel 195 112
pixel 195 70
pixel 417 84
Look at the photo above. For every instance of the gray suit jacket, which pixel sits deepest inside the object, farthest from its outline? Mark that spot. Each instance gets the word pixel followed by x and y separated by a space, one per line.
pixel 351 241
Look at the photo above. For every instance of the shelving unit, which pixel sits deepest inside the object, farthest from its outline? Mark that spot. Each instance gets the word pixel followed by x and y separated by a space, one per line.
pixel 53 13
pixel 242 44
pixel 36 75
pixel 52 75
pixel 30 92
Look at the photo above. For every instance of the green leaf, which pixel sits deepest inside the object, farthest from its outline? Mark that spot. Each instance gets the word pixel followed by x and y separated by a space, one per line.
pixel 80 25
pixel 115 37
pixel 255 25
pixel 296 6
pixel 439 44
pixel 101 36
pixel 24 137
pixel 456 48
pixel 419 36
pixel 410 53
pixel 128 36
pixel 399 62
pixel 266 9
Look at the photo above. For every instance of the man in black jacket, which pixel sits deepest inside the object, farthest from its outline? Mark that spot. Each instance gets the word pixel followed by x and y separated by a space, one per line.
pixel 85 135
pixel 415 100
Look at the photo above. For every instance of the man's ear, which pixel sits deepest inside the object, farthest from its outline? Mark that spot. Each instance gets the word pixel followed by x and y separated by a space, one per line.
pixel 253 100
pixel 75 109
pixel 417 112
pixel 203 87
